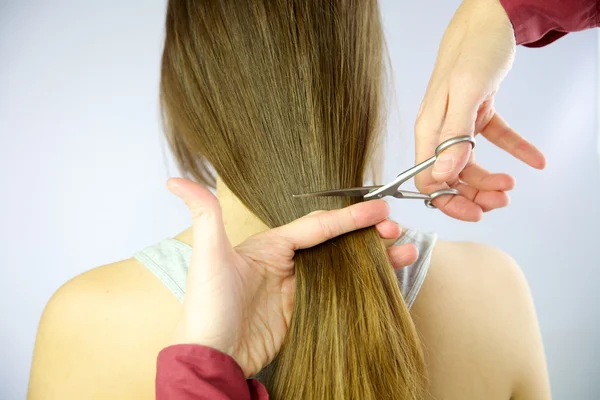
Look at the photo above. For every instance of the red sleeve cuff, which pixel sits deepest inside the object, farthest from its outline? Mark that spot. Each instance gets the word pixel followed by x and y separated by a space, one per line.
pixel 538 23
pixel 188 371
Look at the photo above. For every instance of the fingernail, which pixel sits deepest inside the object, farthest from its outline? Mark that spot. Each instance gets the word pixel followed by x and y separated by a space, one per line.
pixel 174 188
pixel 443 165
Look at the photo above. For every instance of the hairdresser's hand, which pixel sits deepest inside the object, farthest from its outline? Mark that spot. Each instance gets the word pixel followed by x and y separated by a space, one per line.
pixel 475 55
pixel 239 300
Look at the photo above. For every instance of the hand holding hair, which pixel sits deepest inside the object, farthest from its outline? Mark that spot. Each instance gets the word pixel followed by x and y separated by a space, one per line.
pixel 239 300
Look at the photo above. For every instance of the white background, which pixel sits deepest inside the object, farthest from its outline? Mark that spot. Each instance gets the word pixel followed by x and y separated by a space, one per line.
pixel 83 165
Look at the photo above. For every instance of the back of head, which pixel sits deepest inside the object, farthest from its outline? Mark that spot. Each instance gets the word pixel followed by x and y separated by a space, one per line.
pixel 284 97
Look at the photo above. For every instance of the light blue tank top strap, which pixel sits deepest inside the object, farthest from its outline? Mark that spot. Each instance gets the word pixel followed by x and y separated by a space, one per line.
pixel 169 260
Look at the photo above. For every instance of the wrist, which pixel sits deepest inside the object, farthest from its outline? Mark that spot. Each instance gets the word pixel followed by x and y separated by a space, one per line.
pixel 486 11
pixel 183 334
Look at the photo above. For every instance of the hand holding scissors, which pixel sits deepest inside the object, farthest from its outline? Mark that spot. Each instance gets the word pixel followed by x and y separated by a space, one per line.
pixel 392 188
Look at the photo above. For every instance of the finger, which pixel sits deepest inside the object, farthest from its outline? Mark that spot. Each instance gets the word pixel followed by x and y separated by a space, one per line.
pixel 460 121
pixel 210 243
pixel 427 131
pixel 403 255
pixel 389 230
pixel 317 228
pixel 492 200
pixel 484 114
pixel 498 132
pixel 478 178
pixel 458 207
pixel 487 200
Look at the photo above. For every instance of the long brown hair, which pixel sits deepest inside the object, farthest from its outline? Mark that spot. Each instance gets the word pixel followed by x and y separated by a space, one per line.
pixel 283 97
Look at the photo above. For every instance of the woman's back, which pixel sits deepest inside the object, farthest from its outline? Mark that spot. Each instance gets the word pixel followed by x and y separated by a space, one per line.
pixel 101 332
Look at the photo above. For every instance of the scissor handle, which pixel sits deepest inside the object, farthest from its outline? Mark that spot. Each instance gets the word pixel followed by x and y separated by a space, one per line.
pixel 452 141
pixel 390 188
pixel 438 193
pixel 438 150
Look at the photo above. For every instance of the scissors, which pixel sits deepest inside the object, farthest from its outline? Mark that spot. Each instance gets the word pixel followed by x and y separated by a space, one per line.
pixel 392 188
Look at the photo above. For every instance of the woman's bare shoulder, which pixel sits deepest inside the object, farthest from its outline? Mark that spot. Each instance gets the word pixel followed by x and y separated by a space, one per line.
pixel 100 334
pixel 479 327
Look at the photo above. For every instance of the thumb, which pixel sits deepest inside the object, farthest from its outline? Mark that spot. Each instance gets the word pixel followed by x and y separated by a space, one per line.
pixel 210 243
pixel 460 121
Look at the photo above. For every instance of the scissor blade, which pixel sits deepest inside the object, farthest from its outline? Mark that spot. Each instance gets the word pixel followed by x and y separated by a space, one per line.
pixel 347 192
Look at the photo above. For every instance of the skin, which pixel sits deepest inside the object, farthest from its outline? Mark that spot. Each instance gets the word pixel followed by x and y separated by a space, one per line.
pixel 101 332
pixel 247 293
pixel 475 55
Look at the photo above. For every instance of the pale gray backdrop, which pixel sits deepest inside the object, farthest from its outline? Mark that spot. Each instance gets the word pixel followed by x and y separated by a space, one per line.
pixel 82 167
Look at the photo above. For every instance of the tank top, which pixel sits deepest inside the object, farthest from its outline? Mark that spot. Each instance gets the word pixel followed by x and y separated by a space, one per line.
pixel 168 260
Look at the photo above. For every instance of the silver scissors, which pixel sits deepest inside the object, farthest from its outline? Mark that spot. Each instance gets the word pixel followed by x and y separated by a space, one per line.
pixel 392 188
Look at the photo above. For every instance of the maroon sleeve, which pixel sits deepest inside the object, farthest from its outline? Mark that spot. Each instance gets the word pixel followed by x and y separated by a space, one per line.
pixel 193 372
pixel 538 23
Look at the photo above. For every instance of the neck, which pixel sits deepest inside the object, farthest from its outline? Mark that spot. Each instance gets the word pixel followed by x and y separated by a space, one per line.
pixel 240 223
